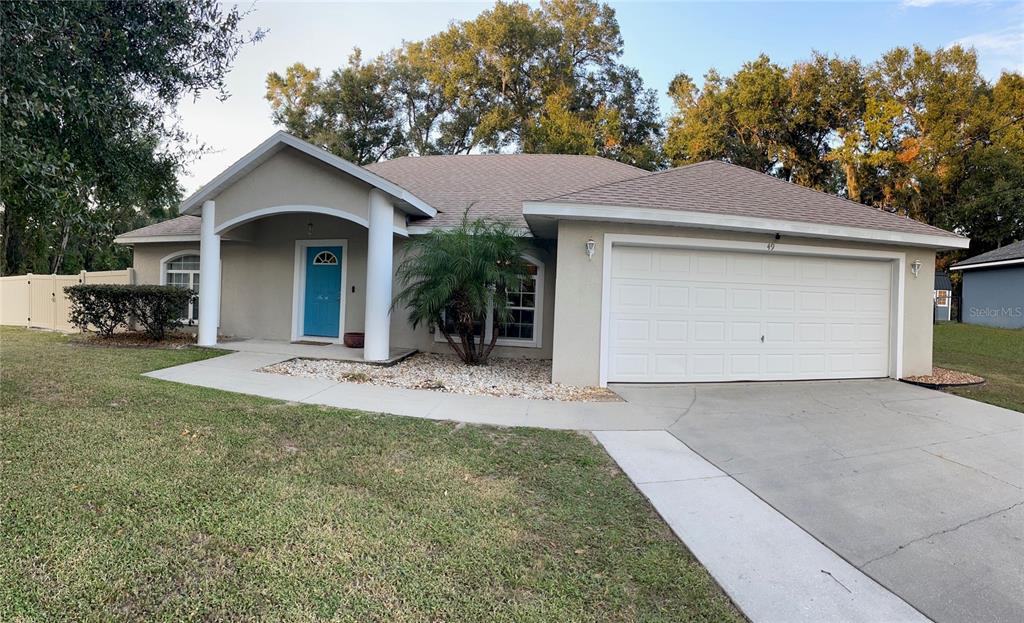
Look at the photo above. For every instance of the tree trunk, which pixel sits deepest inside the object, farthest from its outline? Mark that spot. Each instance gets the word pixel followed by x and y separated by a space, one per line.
pixel 59 258
pixel 494 340
pixel 852 186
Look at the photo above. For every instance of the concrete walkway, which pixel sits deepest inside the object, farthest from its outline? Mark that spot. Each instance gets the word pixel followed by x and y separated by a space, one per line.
pixel 772 569
pixel 773 512
pixel 237 373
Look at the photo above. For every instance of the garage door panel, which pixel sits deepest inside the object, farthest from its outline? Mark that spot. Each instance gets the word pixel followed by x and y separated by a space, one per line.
pixel 779 301
pixel 745 332
pixel 744 365
pixel 812 301
pixel 776 333
pixel 627 295
pixel 627 365
pixel 812 365
pixel 812 332
pixel 708 331
pixel 721 316
pixel 708 299
pixel 712 265
pixel 672 298
pixel 746 300
pixel 631 330
pixel 671 330
pixel 632 262
pixel 673 262
pixel 670 364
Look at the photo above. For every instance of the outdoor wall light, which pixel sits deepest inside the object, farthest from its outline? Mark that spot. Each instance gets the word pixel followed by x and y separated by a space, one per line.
pixel 915 267
pixel 591 245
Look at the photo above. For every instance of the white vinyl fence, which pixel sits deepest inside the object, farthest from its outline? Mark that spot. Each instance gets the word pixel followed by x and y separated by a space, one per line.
pixel 39 300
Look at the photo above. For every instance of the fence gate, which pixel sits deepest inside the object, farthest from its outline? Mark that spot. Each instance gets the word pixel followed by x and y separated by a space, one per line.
pixel 39 300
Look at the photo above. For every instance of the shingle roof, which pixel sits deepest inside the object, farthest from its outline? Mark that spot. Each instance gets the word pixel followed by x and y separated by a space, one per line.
pixel 722 188
pixel 1012 251
pixel 942 281
pixel 495 185
pixel 181 226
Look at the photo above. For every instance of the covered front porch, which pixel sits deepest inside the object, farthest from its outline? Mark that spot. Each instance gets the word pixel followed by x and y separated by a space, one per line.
pixel 310 256
pixel 323 350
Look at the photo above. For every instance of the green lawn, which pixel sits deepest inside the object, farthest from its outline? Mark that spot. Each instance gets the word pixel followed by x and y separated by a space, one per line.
pixel 126 498
pixel 996 354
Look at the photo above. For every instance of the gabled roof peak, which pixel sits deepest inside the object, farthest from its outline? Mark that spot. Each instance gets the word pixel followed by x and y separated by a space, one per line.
pixel 280 140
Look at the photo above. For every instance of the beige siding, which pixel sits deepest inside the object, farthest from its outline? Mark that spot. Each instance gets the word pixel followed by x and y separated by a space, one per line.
pixel 577 322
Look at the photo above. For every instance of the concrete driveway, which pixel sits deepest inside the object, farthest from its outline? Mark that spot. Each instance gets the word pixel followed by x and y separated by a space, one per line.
pixel 920 490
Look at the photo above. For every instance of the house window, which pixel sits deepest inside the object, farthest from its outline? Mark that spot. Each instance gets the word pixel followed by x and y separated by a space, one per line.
pixel 942 298
pixel 325 258
pixel 183 271
pixel 525 309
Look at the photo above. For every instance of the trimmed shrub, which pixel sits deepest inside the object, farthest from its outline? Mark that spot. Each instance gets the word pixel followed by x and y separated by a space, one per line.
pixel 101 308
pixel 159 308
pixel 105 307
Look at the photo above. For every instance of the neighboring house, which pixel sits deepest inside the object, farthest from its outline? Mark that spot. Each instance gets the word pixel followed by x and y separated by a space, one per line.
pixel 943 296
pixel 708 272
pixel 992 288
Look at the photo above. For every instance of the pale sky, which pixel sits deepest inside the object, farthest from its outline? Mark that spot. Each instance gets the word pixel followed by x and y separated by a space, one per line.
pixel 661 40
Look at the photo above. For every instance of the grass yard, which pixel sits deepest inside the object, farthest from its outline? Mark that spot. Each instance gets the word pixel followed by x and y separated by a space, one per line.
pixel 996 354
pixel 127 498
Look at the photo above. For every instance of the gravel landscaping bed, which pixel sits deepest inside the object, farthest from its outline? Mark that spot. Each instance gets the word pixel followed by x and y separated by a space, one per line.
pixel 942 377
pixel 518 378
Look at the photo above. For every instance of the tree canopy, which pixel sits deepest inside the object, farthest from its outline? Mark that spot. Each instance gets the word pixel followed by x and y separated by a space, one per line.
pixel 917 131
pixel 541 80
pixel 91 146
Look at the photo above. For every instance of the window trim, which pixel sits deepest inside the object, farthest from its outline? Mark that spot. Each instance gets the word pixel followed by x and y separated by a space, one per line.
pixel 167 259
pixel 944 300
pixel 538 314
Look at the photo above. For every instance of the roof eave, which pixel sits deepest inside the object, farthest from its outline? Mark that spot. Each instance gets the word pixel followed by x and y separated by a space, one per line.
pixel 994 263
pixel 704 220
pixel 191 205
pixel 144 239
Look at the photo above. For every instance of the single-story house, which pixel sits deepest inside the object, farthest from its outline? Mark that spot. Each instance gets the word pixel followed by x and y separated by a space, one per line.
pixel 707 272
pixel 992 287
pixel 943 296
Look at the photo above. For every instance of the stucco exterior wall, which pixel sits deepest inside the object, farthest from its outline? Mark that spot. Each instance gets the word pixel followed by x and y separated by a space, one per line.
pixel 577 314
pixel 146 258
pixel 293 178
pixel 994 296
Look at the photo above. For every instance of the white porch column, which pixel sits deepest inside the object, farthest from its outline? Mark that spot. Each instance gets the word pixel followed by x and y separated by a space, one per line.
pixel 380 249
pixel 209 278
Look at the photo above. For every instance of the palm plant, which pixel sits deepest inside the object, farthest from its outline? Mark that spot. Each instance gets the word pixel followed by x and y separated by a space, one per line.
pixel 454 279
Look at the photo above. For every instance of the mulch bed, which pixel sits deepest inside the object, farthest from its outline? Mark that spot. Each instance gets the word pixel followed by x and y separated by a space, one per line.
pixel 135 339
pixel 942 377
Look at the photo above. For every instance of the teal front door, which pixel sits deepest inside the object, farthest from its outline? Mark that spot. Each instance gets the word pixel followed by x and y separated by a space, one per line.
pixel 323 292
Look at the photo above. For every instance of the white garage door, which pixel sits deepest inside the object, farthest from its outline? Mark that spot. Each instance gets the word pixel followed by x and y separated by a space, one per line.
pixel 683 315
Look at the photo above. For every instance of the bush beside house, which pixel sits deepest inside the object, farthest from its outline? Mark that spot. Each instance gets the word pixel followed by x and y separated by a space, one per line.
pixel 104 308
